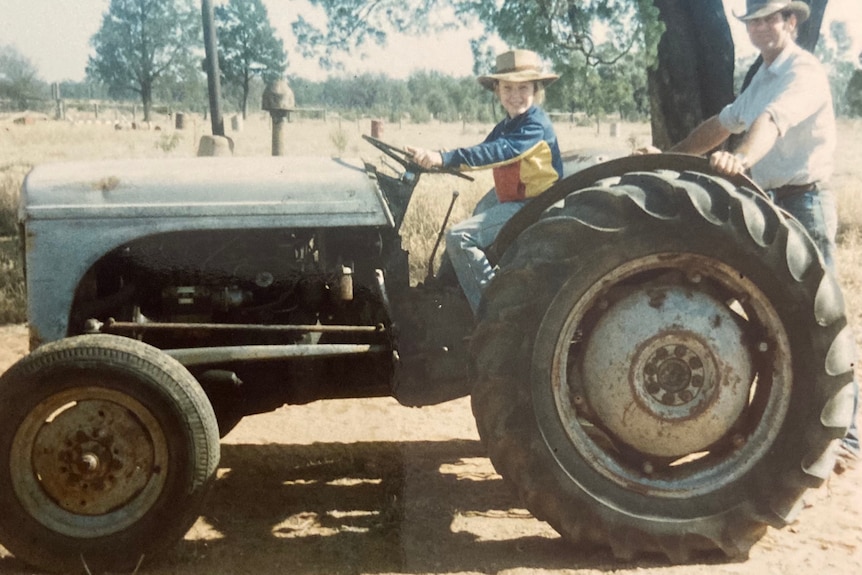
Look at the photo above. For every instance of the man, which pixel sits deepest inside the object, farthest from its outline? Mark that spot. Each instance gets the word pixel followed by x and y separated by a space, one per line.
pixel 789 141
pixel 522 151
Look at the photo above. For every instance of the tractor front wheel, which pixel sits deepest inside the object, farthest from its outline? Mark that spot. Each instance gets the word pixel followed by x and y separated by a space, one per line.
pixel 107 447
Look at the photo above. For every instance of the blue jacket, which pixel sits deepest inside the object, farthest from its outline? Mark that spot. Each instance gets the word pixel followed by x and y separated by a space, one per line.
pixel 522 151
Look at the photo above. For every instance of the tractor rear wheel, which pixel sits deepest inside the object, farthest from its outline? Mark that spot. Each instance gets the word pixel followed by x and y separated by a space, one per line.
pixel 663 365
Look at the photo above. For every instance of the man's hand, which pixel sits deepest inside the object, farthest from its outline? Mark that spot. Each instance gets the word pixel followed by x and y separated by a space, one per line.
pixel 426 158
pixel 728 163
pixel 648 149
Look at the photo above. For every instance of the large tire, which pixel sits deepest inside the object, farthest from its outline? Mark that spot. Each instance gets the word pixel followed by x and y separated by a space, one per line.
pixel 107 447
pixel 663 365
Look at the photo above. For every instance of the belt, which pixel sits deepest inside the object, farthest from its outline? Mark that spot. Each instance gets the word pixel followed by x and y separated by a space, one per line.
pixel 793 190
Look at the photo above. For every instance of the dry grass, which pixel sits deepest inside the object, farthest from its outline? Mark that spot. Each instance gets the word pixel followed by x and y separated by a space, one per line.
pixel 22 147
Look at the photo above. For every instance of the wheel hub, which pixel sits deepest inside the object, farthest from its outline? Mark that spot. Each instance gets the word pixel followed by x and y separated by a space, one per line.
pixel 676 374
pixel 93 457
pixel 666 370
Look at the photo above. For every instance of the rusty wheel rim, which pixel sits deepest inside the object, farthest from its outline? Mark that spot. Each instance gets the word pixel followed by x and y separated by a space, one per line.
pixel 89 461
pixel 685 466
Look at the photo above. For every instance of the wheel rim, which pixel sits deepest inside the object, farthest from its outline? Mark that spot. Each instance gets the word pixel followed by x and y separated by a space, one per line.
pixel 89 461
pixel 657 405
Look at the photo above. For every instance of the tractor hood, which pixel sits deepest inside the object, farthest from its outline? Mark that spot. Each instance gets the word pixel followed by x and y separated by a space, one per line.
pixel 311 192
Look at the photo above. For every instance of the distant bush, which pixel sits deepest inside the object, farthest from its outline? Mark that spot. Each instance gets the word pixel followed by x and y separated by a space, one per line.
pixel 339 139
pixel 168 142
pixel 13 300
pixel 9 185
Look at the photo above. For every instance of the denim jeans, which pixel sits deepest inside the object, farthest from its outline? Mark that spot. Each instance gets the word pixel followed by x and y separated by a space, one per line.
pixel 467 240
pixel 816 211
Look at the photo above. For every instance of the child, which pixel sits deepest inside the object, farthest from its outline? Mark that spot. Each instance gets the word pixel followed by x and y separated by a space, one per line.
pixel 521 150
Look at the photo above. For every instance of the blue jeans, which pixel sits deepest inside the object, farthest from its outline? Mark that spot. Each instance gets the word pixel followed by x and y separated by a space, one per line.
pixel 816 211
pixel 467 240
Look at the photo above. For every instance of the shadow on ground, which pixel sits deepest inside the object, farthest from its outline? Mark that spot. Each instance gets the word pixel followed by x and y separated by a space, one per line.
pixel 368 507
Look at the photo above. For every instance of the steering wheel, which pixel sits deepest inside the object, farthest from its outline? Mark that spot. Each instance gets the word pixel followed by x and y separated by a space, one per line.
pixel 406 160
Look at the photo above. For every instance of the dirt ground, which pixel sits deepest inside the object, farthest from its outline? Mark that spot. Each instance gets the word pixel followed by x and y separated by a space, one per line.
pixel 370 487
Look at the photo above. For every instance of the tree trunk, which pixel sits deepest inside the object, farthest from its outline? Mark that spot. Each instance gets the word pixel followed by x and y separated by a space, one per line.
pixel 809 31
pixel 694 76
pixel 246 87
pixel 147 99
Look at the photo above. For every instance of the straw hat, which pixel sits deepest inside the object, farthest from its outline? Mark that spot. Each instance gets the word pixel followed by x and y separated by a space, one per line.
pixel 517 66
pixel 762 8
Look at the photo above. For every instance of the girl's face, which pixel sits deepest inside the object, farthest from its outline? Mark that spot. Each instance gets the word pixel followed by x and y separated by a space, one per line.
pixel 516 97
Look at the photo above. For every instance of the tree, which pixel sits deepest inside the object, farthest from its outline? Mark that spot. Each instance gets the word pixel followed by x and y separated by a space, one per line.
pixel 562 31
pixel 353 23
pixel 853 93
pixel 553 28
pixel 248 46
pixel 809 31
pixel 834 54
pixel 686 46
pixel 142 42
pixel 19 80
pixel 693 78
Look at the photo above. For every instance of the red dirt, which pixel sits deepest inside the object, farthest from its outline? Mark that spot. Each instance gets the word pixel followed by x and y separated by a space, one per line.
pixel 370 487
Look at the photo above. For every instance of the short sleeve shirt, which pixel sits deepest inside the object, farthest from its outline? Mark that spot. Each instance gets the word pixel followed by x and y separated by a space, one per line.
pixel 794 91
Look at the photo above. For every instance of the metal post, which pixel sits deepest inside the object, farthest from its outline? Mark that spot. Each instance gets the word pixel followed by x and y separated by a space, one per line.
pixel 278 100
pixel 279 122
pixel 213 81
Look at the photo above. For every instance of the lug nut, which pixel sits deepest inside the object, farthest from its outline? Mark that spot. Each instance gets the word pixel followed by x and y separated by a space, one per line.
pixel 90 462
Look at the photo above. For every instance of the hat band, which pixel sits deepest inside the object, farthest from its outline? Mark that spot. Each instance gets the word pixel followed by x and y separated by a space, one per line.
pixel 524 68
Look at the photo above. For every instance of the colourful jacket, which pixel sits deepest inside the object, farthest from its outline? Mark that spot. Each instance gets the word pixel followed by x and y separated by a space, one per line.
pixel 523 153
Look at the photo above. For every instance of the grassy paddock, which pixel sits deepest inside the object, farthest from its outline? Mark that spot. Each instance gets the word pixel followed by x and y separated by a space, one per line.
pixel 22 147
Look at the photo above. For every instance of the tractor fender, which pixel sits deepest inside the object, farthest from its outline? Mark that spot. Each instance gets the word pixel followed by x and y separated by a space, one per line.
pixel 585 178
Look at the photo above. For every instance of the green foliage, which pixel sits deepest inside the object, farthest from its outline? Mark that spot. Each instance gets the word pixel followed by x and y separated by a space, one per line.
pixel 339 139
pixel 9 184
pixel 603 89
pixel 554 28
pixel 422 97
pixel 168 142
pixel 601 48
pixel 834 51
pixel 19 80
pixel 13 299
pixel 142 42
pixel 83 90
pixel 853 95
pixel 353 23
pixel 248 48
pixel 560 28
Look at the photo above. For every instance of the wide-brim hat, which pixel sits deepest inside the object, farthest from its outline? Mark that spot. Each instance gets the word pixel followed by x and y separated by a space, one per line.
pixel 517 66
pixel 763 8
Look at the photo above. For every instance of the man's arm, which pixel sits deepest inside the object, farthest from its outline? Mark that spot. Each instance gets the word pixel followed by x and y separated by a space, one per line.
pixel 754 146
pixel 707 136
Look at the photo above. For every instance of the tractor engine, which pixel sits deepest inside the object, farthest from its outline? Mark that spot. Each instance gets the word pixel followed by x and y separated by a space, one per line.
pixel 249 277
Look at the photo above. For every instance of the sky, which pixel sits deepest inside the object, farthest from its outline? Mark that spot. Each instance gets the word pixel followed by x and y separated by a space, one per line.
pixel 55 36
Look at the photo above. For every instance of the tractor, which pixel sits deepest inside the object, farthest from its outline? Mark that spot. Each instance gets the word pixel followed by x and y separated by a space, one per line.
pixel 661 364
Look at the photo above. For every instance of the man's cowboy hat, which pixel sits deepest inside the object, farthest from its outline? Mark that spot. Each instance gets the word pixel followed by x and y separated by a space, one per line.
pixel 517 66
pixel 763 8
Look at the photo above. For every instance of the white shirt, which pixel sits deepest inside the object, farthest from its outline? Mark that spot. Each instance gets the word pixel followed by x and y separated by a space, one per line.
pixel 794 91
